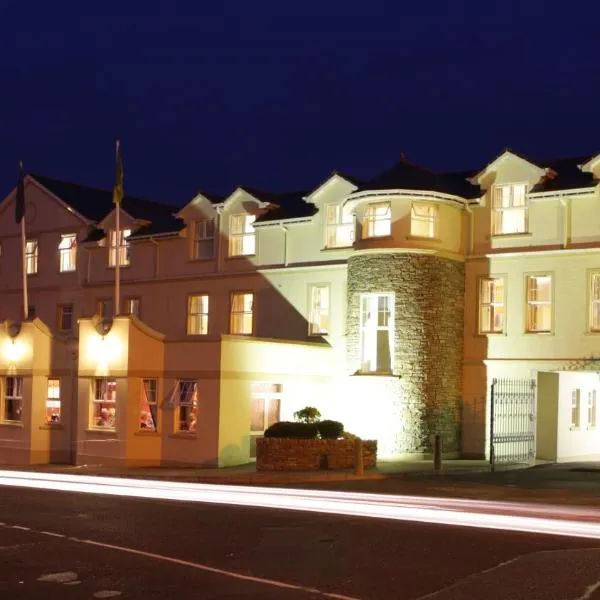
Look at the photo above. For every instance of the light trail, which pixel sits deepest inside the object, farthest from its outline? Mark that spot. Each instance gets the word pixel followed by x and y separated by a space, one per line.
pixel 505 516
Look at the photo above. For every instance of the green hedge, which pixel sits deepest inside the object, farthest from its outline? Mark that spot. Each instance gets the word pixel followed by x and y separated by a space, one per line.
pixel 308 431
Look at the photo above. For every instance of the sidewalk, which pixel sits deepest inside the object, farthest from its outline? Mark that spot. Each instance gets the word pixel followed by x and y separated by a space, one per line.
pixel 247 474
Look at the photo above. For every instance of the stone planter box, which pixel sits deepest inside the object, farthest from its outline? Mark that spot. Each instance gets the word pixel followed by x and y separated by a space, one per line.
pixel 275 454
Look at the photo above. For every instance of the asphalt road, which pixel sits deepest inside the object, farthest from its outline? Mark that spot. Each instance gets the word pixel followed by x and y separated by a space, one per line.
pixel 131 548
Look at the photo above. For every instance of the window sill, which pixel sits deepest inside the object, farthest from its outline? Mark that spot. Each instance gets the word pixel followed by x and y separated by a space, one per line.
pixel 318 335
pixel 374 374
pixel 330 248
pixel 539 333
pixel 591 428
pixel 67 272
pixel 387 236
pixel 52 427
pixel 16 424
pixel 241 256
pixel 105 431
pixel 572 428
pixel 423 238
pixel 184 435
pixel 147 433
pixel 508 236
pixel 484 334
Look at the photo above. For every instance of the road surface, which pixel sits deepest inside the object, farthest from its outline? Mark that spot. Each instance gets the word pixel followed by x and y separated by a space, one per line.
pixel 70 545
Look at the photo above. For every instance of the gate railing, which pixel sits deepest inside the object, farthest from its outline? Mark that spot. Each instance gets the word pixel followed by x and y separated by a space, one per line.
pixel 512 421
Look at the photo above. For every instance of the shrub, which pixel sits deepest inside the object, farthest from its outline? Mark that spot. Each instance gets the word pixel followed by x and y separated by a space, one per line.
pixel 307 415
pixel 330 430
pixel 291 430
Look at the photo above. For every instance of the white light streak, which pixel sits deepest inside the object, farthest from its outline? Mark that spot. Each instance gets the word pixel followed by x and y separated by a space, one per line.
pixel 506 516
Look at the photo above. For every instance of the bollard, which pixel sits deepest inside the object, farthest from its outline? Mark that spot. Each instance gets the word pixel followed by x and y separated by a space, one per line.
pixel 359 464
pixel 437 453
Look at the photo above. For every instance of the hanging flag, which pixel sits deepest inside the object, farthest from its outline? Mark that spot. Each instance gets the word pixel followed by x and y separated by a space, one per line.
pixel 118 189
pixel 20 200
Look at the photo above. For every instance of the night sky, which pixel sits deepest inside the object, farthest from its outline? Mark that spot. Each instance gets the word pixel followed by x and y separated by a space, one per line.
pixel 276 95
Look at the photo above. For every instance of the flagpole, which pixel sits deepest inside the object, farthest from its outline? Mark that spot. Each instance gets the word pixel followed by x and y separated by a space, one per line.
pixel 117 307
pixel 24 269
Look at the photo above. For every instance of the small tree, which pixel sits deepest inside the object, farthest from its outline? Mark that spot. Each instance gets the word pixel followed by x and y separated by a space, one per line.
pixel 307 415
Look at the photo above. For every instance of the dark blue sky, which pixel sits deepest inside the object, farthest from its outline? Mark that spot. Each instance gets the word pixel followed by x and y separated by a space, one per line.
pixel 276 94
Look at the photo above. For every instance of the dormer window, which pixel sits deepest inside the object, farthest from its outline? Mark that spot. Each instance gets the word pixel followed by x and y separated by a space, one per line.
pixel 378 220
pixel 339 227
pixel 242 240
pixel 203 239
pixel 509 209
pixel 123 248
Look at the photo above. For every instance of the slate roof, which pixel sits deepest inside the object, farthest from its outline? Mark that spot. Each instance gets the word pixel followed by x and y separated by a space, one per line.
pixel 95 204
pixel 407 176
pixel 288 205
pixel 565 174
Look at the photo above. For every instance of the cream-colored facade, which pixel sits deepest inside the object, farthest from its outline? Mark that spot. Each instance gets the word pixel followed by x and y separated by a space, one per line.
pixel 390 305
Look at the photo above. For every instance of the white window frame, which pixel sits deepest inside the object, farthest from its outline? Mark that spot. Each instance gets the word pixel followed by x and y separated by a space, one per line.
pixel 319 322
pixel 268 399
pixel 203 235
pixel 424 220
pixel 510 203
pixel 594 295
pixel 64 309
pixel 101 394
pixel 31 256
pixel 377 221
pixel 149 405
pixel 185 401
pixel 124 247
pixel 53 401
pixel 534 305
pixel 15 396
pixel 491 305
pixel 133 306
pixel 575 409
pixel 339 227
pixel 67 253
pixel 592 409
pixel 198 314
pixel 242 235
pixel 369 361
pixel 239 313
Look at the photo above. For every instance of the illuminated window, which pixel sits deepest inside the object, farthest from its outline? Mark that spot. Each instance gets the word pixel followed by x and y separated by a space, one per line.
pixel 575 409
pixel 339 227
pixel 378 220
pixel 67 251
pixel 203 239
pixel 491 305
pixel 12 409
pixel 185 400
pixel 123 249
pixel 31 257
pixel 595 302
pixel 591 409
pixel 65 317
pixel 133 306
pixel 197 322
pixel 539 303
pixel 242 308
pixel 319 310
pixel 104 404
pixel 53 402
pixel 509 209
pixel 265 410
pixel 376 332
pixel 149 405
pixel 242 241
pixel 424 220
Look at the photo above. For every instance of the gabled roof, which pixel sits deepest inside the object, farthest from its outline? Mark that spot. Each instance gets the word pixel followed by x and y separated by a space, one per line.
pixel 407 176
pixel 285 206
pixel 164 226
pixel 95 204
pixel 564 174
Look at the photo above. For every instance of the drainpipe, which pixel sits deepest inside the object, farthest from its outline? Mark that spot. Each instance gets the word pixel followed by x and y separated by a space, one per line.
pixel 218 235
pixel 285 244
pixel 566 233
pixel 156 258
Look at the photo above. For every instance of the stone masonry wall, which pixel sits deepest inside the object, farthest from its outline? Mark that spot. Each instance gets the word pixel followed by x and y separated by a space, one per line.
pixel 275 454
pixel 428 340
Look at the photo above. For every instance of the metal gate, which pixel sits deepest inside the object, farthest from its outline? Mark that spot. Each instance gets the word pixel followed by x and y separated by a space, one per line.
pixel 512 421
